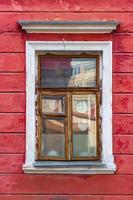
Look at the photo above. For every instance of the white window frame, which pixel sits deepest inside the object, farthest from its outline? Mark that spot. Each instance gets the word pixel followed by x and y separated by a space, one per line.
pixel 105 48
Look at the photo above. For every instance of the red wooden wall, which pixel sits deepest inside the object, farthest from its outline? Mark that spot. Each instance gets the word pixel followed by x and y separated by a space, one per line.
pixel 14 184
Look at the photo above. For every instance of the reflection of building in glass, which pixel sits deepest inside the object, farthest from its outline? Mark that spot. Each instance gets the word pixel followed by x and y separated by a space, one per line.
pixel 83 72
pixel 68 72
pixel 84 125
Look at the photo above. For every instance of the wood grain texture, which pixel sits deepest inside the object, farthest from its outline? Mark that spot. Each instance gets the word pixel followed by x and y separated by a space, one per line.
pixel 123 103
pixel 67 5
pixel 12 102
pixel 12 122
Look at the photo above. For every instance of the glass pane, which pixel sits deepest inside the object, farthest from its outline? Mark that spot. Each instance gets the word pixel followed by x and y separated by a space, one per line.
pixel 84 125
pixel 53 104
pixel 53 137
pixel 68 72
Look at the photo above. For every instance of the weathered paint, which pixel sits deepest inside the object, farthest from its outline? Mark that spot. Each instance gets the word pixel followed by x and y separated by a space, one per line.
pixel 12 122
pixel 13 183
pixel 123 123
pixel 65 5
pixel 123 103
pixel 13 143
pixel 8 100
pixel 123 144
pixel 10 19
pixel 11 82
pixel 66 184
pixel 124 164
pixel 12 62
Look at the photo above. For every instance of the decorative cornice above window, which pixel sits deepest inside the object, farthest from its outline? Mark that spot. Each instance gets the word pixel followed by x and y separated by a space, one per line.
pixel 68 26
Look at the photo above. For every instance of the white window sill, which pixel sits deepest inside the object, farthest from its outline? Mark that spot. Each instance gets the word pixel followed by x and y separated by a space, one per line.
pixel 92 168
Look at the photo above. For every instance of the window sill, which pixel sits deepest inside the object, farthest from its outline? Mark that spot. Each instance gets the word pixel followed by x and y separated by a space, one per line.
pixel 57 168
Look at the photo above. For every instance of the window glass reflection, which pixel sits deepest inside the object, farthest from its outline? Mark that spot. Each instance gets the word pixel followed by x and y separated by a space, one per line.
pixel 68 72
pixel 53 104
pixel 84 125
pixel 53 137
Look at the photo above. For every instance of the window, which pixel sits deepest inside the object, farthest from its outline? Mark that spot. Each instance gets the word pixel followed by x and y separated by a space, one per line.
pixel 68 117
pixel 78 107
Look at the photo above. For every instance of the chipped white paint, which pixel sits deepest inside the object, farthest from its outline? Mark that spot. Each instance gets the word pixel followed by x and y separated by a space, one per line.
pixel 105 48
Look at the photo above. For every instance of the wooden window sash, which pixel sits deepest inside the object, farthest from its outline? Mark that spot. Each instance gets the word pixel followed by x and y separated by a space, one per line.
pixel 68 115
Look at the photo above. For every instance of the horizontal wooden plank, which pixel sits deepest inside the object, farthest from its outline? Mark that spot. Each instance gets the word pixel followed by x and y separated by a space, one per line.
pixel 65 5
pixel 123 43
pixel 17 40
pixel 69 37
pixel 11 102
pixel 12 143
pixel 12 123
pixel 10 18
pixel 66 197
pixel 66 184
pixel 123 144
pixel 123 82
pixel 11 163
pixel 13 62
pixel 12 82
pixel 16 44
pixel 122 63
pixel 123 103
pixel 122 124
pixel 124 164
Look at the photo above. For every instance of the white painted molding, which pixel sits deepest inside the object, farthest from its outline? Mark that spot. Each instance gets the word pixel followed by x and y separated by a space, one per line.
pixel 68 26
pixel 105 48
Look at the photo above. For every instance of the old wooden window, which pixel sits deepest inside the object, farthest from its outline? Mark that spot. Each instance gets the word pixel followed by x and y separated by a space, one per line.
pixel 68 107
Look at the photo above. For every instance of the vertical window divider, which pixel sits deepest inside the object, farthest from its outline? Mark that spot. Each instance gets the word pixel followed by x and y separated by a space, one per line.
pixel 69 114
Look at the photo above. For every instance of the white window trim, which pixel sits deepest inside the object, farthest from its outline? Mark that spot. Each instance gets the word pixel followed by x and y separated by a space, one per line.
pixel 106 110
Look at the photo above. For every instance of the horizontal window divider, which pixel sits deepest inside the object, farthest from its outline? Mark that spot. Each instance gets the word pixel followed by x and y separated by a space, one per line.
pixel 53 115
pixel 78 89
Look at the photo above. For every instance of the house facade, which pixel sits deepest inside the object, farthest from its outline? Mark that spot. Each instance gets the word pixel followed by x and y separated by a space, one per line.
pixel 66 100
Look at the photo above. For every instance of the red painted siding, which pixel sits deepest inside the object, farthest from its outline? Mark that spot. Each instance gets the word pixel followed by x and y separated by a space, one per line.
pixel 14 184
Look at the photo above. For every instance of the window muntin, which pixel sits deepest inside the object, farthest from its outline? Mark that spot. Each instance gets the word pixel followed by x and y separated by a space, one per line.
pixel 58 139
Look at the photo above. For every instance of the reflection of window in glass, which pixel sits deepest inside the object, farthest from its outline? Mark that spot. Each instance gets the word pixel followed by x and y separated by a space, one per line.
pixel 76 70
pixel 67 72
pixel 68 108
